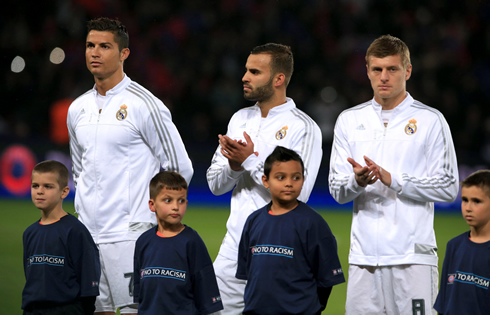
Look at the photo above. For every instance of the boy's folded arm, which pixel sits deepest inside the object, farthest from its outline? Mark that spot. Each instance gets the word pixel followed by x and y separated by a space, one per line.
pixel 241 276
pixel 88 304
pixel 323 295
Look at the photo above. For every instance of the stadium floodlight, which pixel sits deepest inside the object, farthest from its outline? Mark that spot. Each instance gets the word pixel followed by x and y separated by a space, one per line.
pixel 57 56
pixel 18 64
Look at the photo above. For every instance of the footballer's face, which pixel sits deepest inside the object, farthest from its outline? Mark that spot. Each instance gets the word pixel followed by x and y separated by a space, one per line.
pixel 285 182
pixel 257 80
pixel 388 79
pixel 103 56
pixel 170 206
pixel 46 192
pixel 475 206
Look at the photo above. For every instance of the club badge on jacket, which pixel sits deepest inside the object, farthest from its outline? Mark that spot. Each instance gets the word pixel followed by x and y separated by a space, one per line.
pixel 411 128
pixel 281 134
pixel 122 113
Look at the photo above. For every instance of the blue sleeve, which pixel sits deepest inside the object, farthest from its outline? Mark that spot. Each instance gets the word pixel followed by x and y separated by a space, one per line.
pixel 206 293
pixel 25 256
pixel 243 262
pixel 136 273
pixel 323 257
pixel 86 261
pixel 205 288
pixel 440 305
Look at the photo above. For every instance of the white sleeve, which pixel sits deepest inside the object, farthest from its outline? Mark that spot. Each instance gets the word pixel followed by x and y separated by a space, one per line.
pixel 341 179
pixel 221 178
pixel 442 184
pixel 75 149
pixel 308 144
pixel 164 139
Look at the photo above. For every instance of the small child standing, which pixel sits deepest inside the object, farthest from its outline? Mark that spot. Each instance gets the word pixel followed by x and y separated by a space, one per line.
pixel 61 261
pixel 465 277
pixel 173 271
pixel 287 253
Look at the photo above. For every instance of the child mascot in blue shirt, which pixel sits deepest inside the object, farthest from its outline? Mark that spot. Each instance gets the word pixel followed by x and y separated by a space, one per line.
pixel 61 261
pixel 173 271
pixel 287 252
pixel 465 277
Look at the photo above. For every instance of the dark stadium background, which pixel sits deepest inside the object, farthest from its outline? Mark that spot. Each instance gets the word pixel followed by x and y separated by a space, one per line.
pixel 191 54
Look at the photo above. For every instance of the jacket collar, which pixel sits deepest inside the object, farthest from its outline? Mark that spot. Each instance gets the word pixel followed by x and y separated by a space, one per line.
pixel 121 86
pixel 274 111
pixel 404 104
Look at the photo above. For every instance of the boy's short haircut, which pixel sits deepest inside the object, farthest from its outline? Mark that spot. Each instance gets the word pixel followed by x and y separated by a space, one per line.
pixel 281 58
pixel 479 179
pixel 166 179
pixel 121 36
pixel 56 167
pixel 388 45
pixel 281 154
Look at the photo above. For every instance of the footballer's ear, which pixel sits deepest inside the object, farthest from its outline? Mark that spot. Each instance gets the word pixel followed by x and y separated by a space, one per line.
pixel 408 72
pixel 124 54
pixel 151 203
pixel 279 79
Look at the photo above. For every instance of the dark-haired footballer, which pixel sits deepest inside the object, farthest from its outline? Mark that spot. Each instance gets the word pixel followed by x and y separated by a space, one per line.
pixel 121 135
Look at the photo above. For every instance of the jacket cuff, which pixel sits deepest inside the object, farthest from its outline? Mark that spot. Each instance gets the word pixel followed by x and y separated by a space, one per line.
pixel 251 162
pixel 396 183
pixel 353 185
pixel 232 173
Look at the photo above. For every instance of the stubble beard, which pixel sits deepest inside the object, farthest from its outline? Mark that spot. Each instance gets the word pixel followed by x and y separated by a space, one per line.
pixel 261 93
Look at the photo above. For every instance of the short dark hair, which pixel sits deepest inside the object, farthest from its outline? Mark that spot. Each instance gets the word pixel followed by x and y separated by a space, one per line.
pixel 281 58
pixel 103 24
pixel 281 154
pixel 479 179
pixel 55 167
pixel 388 45
pixel 166 179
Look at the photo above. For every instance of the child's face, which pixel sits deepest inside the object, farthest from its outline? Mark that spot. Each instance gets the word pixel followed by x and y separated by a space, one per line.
pixel 475 206
pixel 170 206
pixel 46 193
pixel 285 181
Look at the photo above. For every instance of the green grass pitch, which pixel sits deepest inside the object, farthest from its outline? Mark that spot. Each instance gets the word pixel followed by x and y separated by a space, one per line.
pixel 209 222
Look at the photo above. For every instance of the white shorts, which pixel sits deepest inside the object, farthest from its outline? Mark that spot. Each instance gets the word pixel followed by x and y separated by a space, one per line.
pixel 116 279
pixel 401 289
pixel 231 289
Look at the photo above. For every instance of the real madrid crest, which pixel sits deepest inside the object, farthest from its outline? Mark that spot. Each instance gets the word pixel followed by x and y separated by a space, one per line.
pixel 411 128
pixel 281 134
pixel 122 113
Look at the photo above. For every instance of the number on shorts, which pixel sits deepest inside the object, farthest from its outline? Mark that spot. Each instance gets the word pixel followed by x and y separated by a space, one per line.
pixel 418 307
pixel 131 282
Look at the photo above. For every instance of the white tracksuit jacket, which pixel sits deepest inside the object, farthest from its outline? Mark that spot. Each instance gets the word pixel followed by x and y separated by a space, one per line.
pixel 116 153
pixel 394 225
pixel 285 125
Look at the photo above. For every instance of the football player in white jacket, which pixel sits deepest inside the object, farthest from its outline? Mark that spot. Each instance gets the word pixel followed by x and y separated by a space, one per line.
pixel 238 163
pixel 120 137
pixel 394 157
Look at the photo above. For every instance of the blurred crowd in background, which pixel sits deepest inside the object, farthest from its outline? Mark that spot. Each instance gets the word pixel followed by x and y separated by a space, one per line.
pixel 191 54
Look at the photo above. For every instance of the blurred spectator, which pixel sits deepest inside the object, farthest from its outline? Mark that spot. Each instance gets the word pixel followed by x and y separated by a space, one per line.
pixel 188 55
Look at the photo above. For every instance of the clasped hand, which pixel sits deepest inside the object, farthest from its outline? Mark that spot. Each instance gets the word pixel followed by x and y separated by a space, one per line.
pixel 236 151
pixel 369 174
